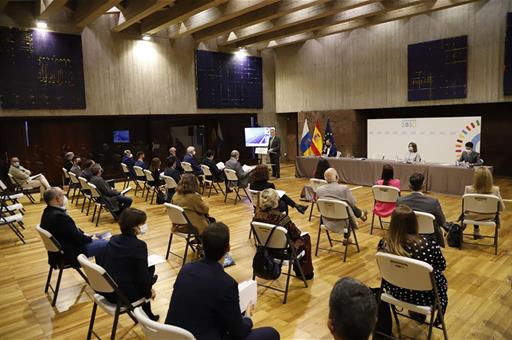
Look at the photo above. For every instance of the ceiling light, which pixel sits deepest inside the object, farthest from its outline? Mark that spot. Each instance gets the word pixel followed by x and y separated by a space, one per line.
pixel 41 25
pixel 146 37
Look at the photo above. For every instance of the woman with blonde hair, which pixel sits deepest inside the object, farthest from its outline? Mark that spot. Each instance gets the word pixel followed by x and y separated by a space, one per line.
pixel 482 184
pixel 187 197
pixel 268 212
pixel 403 239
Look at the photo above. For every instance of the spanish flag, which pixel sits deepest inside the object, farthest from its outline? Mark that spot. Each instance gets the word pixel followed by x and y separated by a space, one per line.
pixel 317 141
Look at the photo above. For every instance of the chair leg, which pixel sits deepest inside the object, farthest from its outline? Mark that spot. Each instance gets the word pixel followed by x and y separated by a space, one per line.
pixel 346 245
pixel 99 213
pixel 236 194
pixel 318 238
pixel 210 192
pixel 355 238
pixel 329 237
pixel 290 264
pixel 371 228
pixel 311 210
pixel 431 324
pixel 83 203
pixel 91 323
pixel 440 315
pixel 496 239
pixel 82 274
pixel 380 221
pixel 168 247
pixel 220 187
pixel 395 315
pixel 88 208
pixel 226 196
pixel 114 325
pixel 48 280
pixel 186 250
pixel 56 292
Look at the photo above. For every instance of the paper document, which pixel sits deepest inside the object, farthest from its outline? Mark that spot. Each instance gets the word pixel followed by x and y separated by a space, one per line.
pixel 125 190
pixel 248 294
pixel 35 176
pixel 155 259
pixel 103 236
pixel 220 166
pixel 281 193
pixel 247 168
pixel 261 151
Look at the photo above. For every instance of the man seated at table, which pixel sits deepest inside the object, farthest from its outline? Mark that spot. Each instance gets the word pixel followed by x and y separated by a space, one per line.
pixel 329 149
pixel 419 202
pixel 23 177
pixel 470 156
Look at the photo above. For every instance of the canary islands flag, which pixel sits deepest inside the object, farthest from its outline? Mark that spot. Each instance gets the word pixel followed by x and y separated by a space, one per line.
pixel 317 142
pixel 305 141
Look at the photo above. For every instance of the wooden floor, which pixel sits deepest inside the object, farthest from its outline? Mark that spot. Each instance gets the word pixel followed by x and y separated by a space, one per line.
pixel 480 295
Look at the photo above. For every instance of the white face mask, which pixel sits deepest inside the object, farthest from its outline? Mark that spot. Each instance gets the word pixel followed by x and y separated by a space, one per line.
pixel 143 228
pixel 16 164
pixel 64 202
pixel 411 149
pixel 468 150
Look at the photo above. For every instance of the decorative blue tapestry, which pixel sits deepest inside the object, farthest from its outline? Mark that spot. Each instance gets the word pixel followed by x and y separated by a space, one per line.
pixel 226 80
pixel 507 76
pixel 438 69
pixel 40 70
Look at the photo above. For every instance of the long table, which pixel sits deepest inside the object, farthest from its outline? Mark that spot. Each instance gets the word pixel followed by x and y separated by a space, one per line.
pixel 439 178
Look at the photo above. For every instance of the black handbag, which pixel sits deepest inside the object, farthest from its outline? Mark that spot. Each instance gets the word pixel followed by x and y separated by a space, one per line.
pixel 263 264
pixel 453 236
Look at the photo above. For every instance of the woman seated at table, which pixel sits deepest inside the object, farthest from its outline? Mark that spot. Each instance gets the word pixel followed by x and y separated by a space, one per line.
pixel 269 212
pixel 412 155
pixel 307 191
pixel 187 196
pixel 126 260
pixel 260 182
pixel 483 184
pixel 154 167
pixel 385 209
pixel 403 239
pixel 174 173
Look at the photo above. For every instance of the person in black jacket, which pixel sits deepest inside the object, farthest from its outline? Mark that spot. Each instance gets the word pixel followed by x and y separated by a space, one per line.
pixel 274 152
pixel 126 261
pixel 72 240
pixel 171 170
pixel 205 299
pixel 117 202
pixel 218 176
pixel 86 169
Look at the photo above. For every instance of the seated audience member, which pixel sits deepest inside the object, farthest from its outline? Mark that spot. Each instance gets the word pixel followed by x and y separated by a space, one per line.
pixel 72 240
pixel 483 184
pixel 412 155
pixel 187 196
pixel 269 212
pixel 234 164
pixel 419 202
pixel 352 310
pixel 68 156
pixel 217 174
pixel 172 153
pixel 205 299
pixel 333 190
pixel 154 167
pixel 329 149
pixel 172 171
pixel 307 193
pixel 126 260
pixel 260 182
pixel 382 208
pixel 129 161
pixel 117 202
pixel 23 177
pixel 403 239
pixel 470 156
pixel 140 160
pixel 86 169
pixel 190 157
pixel 75 168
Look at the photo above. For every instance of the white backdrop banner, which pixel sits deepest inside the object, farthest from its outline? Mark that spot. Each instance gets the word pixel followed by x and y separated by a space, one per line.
pixel 439 140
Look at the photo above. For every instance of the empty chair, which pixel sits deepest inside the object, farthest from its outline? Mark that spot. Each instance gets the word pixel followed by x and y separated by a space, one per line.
pixel 6 195
pixel 65 177
pixel 156 331
pixel 340 211
pixel 56 261
pixel 481 210
pixel 383 194
pixel 11 221
pixel 126 173
pixel 74 183
pixel 426 223
pixel 152 188
pixel 210 182
pixel 232 178
pixel 410 274
pixel 187 167
pixel 178 217
pixel 314 183
pixel 140 181
pixel 277 242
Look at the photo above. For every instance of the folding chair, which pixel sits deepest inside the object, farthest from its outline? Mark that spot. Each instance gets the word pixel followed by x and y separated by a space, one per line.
pixel 481 204
pixel 65 177
pixel 127 177
pixel 383 194
pixel 152 188
pixel 53 246
pixel 277 241
pixel 19 188
pixel 232 179
pixel 86 192
pixel 11 208
pixel 157 331
pixel 6 195
pixel 10 220
pixel 170 183
pixel 74 183
pixel 177 216
pixel 426 223
pixel 140 181
pixel 315 183
pixel 255 198
pixel 410 274
pixel 210 182
pixel 340 211
pixel 101 282
pixel 187 167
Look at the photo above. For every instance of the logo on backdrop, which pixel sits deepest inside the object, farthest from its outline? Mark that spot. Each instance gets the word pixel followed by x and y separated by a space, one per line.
pixel 470 133
pixel 408 123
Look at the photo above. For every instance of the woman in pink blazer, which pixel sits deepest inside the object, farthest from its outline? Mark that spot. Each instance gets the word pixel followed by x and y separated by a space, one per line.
pixel 383 209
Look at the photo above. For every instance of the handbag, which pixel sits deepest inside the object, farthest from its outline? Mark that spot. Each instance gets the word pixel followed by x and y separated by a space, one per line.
pixel 263 264
pixel 453 237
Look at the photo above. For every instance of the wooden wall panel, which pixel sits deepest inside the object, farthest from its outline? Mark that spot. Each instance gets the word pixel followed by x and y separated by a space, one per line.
pixel 367 68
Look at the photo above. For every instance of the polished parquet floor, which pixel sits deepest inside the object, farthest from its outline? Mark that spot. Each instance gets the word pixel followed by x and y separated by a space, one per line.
pixel 480 295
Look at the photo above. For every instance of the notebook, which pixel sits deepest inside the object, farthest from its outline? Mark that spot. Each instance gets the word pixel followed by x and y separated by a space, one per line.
pixel 248 294
pixel 155 259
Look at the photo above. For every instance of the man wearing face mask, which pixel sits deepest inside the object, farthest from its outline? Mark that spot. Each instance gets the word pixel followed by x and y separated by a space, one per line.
pixel 190 157
pixel 117 202
pixel 72 240
pixel 23 177
pixel 129 161
pixel 470 156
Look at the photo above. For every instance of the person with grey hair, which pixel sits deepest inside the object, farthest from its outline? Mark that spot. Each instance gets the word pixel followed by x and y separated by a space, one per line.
pixel 172 153
pixel 190 157
pixel 68 156
pixel 274 152
pixel 234 164
pixel 352 310
pixel 72 239
pixel 113 198
pixel 130 162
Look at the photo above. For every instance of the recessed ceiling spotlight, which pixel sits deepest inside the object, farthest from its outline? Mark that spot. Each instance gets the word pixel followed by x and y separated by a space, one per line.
pixel 41 25
pixel 146 37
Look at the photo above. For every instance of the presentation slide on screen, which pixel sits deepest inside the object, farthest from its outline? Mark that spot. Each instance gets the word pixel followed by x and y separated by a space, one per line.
pixel 439 140
pixel 257 137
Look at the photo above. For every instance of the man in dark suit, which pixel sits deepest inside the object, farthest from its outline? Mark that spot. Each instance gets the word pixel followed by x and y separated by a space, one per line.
pixel 72 240
pixel 274 152
pixel 329 149
pixel 470 156
pixel 419 202
pixel 116 202
pixel 190 157
pixel 130 162
pixel 172 153
pixel 218 176
pixel 205 299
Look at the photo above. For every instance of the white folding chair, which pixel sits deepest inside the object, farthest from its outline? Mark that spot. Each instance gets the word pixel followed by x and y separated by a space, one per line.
pixel 74 184
pixel 157 331
pixel 383 194
pixel 315 183
pixel 18 187
pixel 65 177
pixel 426 223
pixel 102 283
pixel 232 179
pixel 410 274
pixel 11 220
pixel 178 217
pixel 170 183
pixel 140 181
pixel 6 195
pixel 210 182
pixel 340 211
pixel 187 167
pixel 56 261
pixel 86 192
pixel 99 204
pixel 152 188
pixel 126 173
pixel 486 205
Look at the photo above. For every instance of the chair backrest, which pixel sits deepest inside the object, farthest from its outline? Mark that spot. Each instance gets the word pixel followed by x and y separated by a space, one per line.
pixel 139 171
pixel 333 209
pixel 255 197
pixel 94 190
pixel 125 168
pixel 149 175
pixel 170 183
pixel 155 330
pixel 13 180
pixel 231 175
pixel 425 222
pixel 176 214
pixel 316 182
pixel 83 183
pixel 480 204
pixel 99 280
pixel 3 187
pixel 405 272
pixel 187 167
pixel 65 173
pixel 262 232
pixel 50 243
pixel 73 178
pixel 206 170
pixel 385 193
